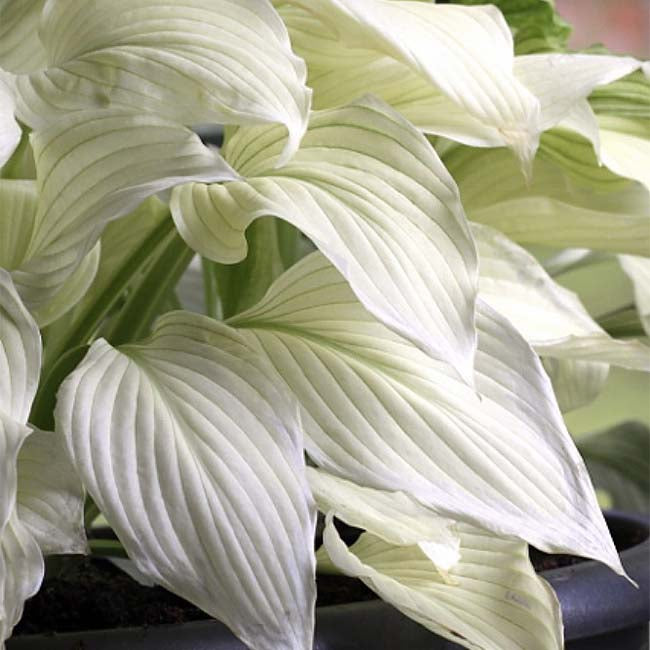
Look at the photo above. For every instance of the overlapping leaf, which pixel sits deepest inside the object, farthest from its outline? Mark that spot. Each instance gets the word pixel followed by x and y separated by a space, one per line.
pixel 369 191
pixel 490 600
pixel 551 318
pixel 20 353
pixel 195 458
pixel 21 573
pixel 395 49
pixel 638 270
pixel 21 49
pixel 222 61
pixel 93 167
pixel 570 202
pixel 21 563
pixel 50 496
pixel 394 516
pixel 380 412
pixel 576 383
pixel 9 130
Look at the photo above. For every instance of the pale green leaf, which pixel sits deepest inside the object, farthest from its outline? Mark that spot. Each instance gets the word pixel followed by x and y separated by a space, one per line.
pixel 93 167
pixel 9 130
pixel 393 516
pixel 202 61
pixel 376 45
pixel 624 448
pixel 371 193
pixel 625 397
pixel 638 270
pixel 195 459
pixel 380 412
pixel 625 147
pixel 575 383
pixel 551 318
pixel 570 202
pixel 18 201
pixel 50 496
pixel 491 599
pixel 21 49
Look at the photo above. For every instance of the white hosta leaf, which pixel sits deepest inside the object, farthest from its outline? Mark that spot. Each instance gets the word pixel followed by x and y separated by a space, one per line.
pixel 18 201
pixel 371 193
pixel 21 573
pixel 638 270
pixel 491 600
pixel 20 353
pixel 12 436
pixel 382 413
pixel 195 459
pixel 405 42
pixel 9 130
pixel 50 496
pixel 575 383
pixel 93 167
pixel 551 318
pixel 393 516
pixel 72 290
pixel 220 61
pixel 21 49
pixel 582 206
pixel 559 81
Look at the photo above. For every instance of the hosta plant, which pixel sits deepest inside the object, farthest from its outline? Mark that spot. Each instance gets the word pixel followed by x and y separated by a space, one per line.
pixel 383 335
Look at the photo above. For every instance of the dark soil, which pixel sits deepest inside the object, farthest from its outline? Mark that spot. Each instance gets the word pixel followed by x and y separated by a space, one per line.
pixel 83 593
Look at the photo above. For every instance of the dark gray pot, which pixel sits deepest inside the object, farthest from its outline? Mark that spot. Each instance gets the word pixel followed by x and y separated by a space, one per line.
pixel 600 610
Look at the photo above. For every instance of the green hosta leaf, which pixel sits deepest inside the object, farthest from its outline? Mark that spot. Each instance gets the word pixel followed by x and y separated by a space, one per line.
pixel 50 496
pixel 93 167
pixel 551 318
pixel 490 600
pixel 370 192
pixel 624 448
pixel 196 462
pixel 223 61
pixel 380 412
pixel 570 202
pixel 21 49
pixel 21 573
pixel 394 49
pixel 535 25
pixel 629 97
pixel 9 130
pixel 638 270
pixel 618 491
pixel 394 516
pixel 20 353
pixel 241 285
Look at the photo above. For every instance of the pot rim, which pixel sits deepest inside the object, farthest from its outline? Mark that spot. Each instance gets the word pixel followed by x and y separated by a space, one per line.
pixel 613 604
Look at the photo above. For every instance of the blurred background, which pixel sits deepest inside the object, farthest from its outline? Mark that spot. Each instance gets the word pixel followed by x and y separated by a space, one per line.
pixel 623 26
